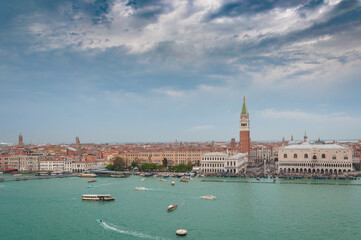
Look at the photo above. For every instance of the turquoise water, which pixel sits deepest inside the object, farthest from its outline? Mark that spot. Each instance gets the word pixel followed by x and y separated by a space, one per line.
pixel 53 209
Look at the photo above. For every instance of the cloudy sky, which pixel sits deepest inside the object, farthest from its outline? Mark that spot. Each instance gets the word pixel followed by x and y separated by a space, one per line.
pixel 149 71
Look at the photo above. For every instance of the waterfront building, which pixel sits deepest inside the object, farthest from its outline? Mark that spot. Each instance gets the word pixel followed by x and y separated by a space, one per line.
pixel 314 158
pixel 244 135
pixel 52 165
pixel 25 162
pixel 4 159
pixel 221 162
pixel 82 166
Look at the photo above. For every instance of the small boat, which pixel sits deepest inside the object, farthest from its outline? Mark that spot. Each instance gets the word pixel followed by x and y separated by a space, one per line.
pixel 172 207
pixel 166 176
pixel 99 221
pixel 90 181
pixel 181 232
pixel 162 179
pixel 90 186
pixel 16 174
pixel 141 188
pixel 143 179
pixel 257 178
pixel 173 183
pixel 183 180
pixel 210 197
pixel 97 197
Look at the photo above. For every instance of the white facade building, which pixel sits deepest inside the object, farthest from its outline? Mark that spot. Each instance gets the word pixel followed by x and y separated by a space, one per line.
pixel 52 165
pixel 318 158
pixel 220 162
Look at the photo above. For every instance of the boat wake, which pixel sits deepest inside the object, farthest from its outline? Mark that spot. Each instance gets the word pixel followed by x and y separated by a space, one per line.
pixel 132 233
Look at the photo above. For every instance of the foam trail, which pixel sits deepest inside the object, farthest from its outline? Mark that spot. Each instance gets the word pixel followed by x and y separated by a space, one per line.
pixel 135 234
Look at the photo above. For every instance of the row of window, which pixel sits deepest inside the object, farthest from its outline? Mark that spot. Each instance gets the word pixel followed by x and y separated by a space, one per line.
pixel 213 158
pixel 316 164
pixel 212 165
pixel 314 156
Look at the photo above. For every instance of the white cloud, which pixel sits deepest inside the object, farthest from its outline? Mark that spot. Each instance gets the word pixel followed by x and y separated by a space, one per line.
pixel 305 116
pixel 171 92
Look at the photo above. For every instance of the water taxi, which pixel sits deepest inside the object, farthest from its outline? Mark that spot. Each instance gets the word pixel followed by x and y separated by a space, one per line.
pixel 97 197
pixel 172 207
pixel 210 197
pixel 86 175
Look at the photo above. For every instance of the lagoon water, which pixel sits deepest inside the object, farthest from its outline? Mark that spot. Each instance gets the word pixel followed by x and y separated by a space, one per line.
pixel 53 209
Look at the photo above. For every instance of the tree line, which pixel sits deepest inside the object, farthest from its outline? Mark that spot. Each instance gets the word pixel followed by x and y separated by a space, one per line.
pixel 119 165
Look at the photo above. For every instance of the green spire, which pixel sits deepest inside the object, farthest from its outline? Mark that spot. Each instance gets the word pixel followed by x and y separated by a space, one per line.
pixel 244 107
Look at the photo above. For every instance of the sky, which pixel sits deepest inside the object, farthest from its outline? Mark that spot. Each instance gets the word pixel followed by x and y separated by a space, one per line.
pixel 158 71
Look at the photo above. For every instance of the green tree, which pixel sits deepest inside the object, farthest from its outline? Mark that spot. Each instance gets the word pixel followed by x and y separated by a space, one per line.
pixel 165 162
pixel 110 167
pixel 134 164
pixel 118 163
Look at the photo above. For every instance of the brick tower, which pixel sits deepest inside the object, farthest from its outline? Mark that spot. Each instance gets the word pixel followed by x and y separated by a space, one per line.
pixel 20 143
pixel 244 139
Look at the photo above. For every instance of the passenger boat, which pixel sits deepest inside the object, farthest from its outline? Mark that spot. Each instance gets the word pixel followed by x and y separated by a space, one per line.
pixel 97 197
pixel 90 181
pixel 183 180
pixel 141 188
pixel 172 207
pixel 210 197
pixel 86 175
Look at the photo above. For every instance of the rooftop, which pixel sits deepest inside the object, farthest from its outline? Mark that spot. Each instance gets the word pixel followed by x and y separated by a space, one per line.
pixel 307 145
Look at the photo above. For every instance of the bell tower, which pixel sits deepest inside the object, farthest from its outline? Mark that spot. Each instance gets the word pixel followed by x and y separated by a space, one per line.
pixel 20 142
pixel 244 137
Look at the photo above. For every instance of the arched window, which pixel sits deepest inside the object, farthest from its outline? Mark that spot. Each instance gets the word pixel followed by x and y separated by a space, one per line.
pixel 285 155
pixel 345 157
pixel 295 155
pixel 314 157
pixel 323 155
pixel 306 155
pixel 334 157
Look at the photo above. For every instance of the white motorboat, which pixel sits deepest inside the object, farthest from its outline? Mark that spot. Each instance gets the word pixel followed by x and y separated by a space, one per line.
pixel 209 197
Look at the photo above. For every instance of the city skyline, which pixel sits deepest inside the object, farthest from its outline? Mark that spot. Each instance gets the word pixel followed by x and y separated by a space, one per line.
pixel 156 71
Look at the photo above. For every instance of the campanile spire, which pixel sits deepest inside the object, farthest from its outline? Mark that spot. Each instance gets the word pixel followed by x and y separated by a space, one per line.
pixel 244 136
